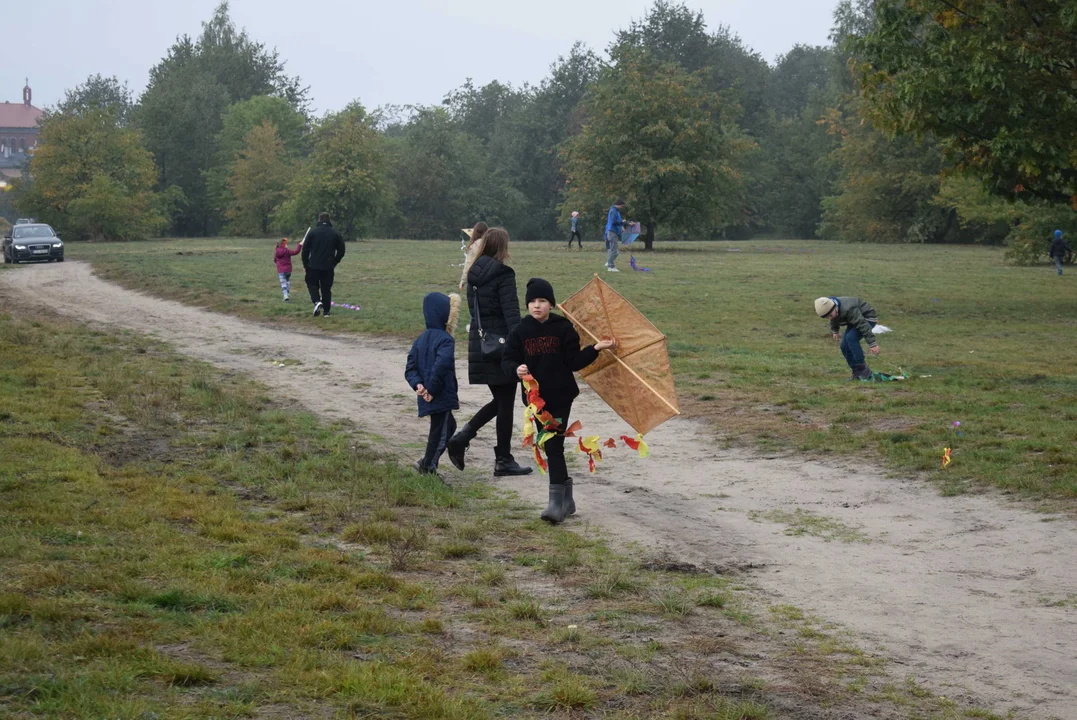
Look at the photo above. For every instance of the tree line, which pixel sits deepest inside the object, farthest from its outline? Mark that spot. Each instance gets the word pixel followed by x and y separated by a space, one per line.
pixel 921 121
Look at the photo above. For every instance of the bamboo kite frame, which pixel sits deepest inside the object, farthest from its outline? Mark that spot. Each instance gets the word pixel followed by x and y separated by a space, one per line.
pixel 605 310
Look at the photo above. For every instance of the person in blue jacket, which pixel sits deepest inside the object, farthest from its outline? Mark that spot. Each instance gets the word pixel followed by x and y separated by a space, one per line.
pixel 1059 249
pixel 614 230
pixel 431 372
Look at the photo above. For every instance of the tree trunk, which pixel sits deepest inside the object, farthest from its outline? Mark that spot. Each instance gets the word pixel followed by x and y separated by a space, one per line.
pixel 648 237
pixel 950 217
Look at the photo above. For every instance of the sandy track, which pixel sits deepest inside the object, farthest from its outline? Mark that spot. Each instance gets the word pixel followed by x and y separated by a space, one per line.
pixel 975 598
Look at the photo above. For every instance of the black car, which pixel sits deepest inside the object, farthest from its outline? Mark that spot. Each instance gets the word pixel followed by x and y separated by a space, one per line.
pixel 32 242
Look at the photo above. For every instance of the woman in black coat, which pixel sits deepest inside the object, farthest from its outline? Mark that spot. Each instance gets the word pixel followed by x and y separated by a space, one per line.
pixel 494 304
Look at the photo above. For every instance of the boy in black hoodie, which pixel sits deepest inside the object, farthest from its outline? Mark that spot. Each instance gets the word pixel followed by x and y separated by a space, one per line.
pixel 547 347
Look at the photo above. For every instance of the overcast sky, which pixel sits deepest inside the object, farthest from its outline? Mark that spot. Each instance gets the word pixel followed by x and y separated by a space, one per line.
pixel 386 51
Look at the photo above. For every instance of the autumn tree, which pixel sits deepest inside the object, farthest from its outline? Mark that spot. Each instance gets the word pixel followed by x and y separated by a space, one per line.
pixel 258 181
pixel 651 137
pixel 993 81
pixel 93 178
pixel 346 175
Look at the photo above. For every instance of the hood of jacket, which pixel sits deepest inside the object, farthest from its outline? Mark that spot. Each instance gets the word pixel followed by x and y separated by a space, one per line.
pixel 441 311
pixel 485 269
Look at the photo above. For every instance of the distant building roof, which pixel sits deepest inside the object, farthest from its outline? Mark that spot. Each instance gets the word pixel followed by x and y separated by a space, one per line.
pixel 18 115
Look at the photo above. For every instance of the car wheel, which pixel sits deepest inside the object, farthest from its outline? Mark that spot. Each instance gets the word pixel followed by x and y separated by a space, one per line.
pixel 7 260
pixel 60 260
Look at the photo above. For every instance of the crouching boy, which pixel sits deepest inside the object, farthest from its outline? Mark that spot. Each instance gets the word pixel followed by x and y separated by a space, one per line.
pixel 547 347
pixel 859 319
pixel 431 372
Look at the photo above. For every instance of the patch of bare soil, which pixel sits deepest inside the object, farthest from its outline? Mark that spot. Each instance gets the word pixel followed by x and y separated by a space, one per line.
pixel 959 591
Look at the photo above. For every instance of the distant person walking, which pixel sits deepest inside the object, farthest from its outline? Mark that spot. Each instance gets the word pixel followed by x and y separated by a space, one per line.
pixel 282 256
pixel 577 230
pixel 323 250
pixel 495 309
pixel 614 230
pixel 1059 249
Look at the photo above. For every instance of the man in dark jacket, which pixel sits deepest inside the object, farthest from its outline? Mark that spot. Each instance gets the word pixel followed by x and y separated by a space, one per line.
pixel 1059 249
pixel 547 347
pixel 431 372
pixel 322 252
pixel 859 318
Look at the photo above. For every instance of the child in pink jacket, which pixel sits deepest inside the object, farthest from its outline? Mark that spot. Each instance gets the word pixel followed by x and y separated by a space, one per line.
pixel 283 257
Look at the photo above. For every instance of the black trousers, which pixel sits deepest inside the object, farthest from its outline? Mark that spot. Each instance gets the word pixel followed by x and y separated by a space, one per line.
pixel 502 406
pixel 555 446
pixel 320 285
pixel 575 235
pixel 442 427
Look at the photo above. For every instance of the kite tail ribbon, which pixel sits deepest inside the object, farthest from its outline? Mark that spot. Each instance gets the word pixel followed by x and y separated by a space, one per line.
pixel 637 444
pixel 589 446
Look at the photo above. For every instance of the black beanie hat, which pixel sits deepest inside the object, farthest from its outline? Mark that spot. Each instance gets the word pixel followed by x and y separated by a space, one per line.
pixel 539 288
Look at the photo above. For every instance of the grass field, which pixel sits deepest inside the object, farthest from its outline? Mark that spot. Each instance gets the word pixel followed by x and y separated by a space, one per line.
pixel 986 344
pixel 174 544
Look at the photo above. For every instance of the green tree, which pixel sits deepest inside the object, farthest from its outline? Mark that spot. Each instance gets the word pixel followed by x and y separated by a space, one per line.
pixel 93 178
pixel 650 137
pixel 672 33
pixel 258 181
pixel 445 180
pixel 793 173
pixel 182 109
pixel 238 122
pixel 346 175
pixel 99 92
pixel 1026 226
pixel 994 81
pixel 886 187
pixel 549 116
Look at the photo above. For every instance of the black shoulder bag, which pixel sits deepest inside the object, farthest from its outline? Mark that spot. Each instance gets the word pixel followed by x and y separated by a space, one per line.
pixel 491 346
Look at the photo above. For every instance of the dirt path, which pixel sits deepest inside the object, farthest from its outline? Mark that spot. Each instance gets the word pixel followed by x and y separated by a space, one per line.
pixel 975 598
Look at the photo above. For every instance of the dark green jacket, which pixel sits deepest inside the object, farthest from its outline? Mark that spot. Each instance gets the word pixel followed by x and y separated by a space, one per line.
pixel 854 312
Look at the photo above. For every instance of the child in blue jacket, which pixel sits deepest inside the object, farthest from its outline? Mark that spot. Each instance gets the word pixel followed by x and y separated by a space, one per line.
pixel 431 372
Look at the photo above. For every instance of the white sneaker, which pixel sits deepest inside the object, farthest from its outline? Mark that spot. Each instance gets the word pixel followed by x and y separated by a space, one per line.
pixel 317 309
pixel 614 270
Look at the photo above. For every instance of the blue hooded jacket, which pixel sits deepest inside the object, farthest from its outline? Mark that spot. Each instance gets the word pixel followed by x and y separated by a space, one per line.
pixel 431 360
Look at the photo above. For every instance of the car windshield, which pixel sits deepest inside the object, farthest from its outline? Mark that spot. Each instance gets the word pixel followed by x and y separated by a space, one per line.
pixel 33 231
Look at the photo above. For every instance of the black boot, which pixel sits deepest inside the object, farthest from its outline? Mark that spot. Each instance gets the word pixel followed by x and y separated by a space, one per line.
pixel 555 510
pixel 570 504
pixel 862 372
pixel 505 466
pixel 458 445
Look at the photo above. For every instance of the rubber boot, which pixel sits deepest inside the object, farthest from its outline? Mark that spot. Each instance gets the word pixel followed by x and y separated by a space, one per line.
pixel 555 510
pixel 862 372
pixel 458 445
pixel 506 466
pixel 570 504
